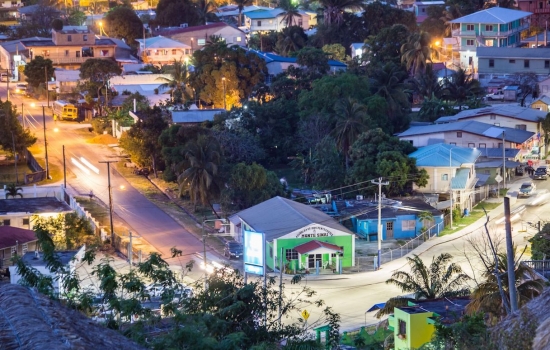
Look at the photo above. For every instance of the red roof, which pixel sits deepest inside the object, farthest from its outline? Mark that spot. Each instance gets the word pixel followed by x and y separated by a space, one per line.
pixel 312 245
pixel 172 31
pixel 9 235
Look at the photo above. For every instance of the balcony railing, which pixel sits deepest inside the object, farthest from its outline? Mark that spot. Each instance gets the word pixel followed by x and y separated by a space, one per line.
pixel 65 60
pixel 485 33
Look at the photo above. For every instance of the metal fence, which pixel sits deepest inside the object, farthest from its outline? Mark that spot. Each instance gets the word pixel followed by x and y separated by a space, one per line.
pixel 39 173
pixel 540 266
pixel 368 263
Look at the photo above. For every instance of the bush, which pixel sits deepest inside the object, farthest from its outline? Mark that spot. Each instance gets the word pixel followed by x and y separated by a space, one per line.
pixel 169 175
pixel 100 125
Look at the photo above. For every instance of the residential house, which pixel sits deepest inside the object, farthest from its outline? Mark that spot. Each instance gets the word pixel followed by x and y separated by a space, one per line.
pixel 145 84
pixel 69 258
pixel 306 237
pixel 492 27
pixel 194 116
pixel 451 171
pixel 508 116
pixel 18 212
pixel 66 81
pixel 277 64
pixel 420 8
pixel 9 10
pixel 414 325
pixel 272 19
pixel 26 13
pixel 541 103
pixel 492 168
pixel 507 61
pixel 13 53
pixel 400 218
pixel 358 50
pixel 160 50
pixel 196 37
pixel 15 240
pixel 544 86
pixel 540 11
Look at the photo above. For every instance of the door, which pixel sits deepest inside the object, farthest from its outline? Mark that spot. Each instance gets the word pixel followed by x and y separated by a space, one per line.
pixel 313 258
pixel 389 230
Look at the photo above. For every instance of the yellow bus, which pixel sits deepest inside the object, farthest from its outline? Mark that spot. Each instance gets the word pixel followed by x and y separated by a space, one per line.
pixel 63 110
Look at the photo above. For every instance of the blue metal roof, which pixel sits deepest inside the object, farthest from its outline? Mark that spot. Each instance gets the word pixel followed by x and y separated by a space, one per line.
pixel 438 155
pixel 516 112
pixel 271 57
pixel 472 127
pixel 262 14
pixel 497 152
pixel 459 181
pixel 499 15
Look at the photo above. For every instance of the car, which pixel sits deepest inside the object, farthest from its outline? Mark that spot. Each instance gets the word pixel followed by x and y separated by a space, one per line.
pixel 233 250
pixel 20 89
pixel 155 290
pixel 498 95
pixel 526 189
pixel 541 173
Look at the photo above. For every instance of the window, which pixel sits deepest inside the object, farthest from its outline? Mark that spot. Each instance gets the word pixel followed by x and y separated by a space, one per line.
pixel 470 27
pixel 300 22
pixel 66 53
pixel 521 126
pixel 25 248
pixel 259 23
pixel 45 53
pixel 445 177
pixel 173 51
pixel 26 222
pixel 482 145
pixel 500 145
pixel 471 145
pixel 148 52
pixel 201 42
pixel 408 225
pixel 525 63
pixel 187 51
pixel 491 63
pixel 497 124
pixel 270 252
pixel 270 21
pixel 78 54
pixel 511 61
pixel 7 222
pixel 459 134
pixel 489 27
pixel 291 254
pixel 85 37
pixel 423 10
pixel 546 64
pixel 493 117
pixel 239 39
pixel 470 42
pixel 104 53
pixel 470 61
pixel 452 143
pixel 402 327
pixel 69 38
pixel 13 251
pixel 156 52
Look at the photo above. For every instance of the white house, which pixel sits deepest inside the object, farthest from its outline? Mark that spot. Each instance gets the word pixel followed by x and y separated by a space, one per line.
pixel 273 19
pixel 18 212
pixel 160 50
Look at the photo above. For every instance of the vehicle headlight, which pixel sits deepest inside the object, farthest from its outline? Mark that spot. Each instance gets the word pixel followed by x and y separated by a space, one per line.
pixel 16 90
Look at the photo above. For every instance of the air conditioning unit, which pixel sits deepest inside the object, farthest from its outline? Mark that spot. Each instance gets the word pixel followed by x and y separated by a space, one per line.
pixel 184 25
pixel 359 197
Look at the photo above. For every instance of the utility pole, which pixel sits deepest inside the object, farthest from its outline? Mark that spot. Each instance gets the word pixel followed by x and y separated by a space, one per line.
pixel 108 162
pixel 64 170
pixel 510 257
pixel 224 105
pixel 503 161
pixel 45 143
pixel 15 158
pixel 46 80
pixel 130 250
pixel 380 183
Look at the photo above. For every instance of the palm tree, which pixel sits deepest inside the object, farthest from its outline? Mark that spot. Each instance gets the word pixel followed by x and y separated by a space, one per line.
pixel 442 279
pixel 12 191
pixel 290 12
pixel 333 10
pixel 427 84
pixel 416 52
pixel 290 39
pixel 451 13
pixel 460 87
pixel 241 4
pixel 206 11
pixel 202 158
pixel 179 76
pixel 389 80
pixel 487 298
pixel 351 120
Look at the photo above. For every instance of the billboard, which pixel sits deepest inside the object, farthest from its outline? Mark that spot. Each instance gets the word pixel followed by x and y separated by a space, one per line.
pixel 254 252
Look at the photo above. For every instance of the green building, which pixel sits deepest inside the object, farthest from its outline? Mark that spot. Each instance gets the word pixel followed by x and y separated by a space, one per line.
pixel 304 236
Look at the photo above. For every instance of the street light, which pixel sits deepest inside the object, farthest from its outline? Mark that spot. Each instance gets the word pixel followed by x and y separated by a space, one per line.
pixel 224 222
pixel 223 80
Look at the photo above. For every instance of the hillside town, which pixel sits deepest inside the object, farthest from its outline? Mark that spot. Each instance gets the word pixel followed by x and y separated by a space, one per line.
pixel 326 174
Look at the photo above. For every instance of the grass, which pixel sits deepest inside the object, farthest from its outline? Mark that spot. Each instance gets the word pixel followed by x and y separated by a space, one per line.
pixel 7 172
pixel 370 336
pixel 100 212
pixel 476 214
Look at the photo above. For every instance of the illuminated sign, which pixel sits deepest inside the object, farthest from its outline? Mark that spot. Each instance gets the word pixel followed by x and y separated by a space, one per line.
pixel 314 231
pixel 254 252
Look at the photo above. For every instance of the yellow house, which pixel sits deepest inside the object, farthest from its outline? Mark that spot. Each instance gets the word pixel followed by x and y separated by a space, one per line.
pixel 414 325
pixel 541 103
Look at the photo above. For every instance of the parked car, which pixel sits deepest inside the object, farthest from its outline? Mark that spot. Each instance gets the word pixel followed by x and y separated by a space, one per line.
pixel 233 250
pixel 499 95
pixel 20 89
pixel 541 173
pixel 155 290
pixel 526 189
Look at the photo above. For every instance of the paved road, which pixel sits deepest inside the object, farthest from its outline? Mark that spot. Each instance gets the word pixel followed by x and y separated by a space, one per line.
pixel 145 219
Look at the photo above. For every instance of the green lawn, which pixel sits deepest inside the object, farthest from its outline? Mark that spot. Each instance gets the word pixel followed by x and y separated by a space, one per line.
pixel 465 221
pixel 7 172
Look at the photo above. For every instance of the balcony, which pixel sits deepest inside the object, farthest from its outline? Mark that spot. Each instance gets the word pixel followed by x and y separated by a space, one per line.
pixel 543 11
pixel 494 34
pixel 68 60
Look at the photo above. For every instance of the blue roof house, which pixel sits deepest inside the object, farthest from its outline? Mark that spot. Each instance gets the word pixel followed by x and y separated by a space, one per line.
pixel 452 172
pixel 492 27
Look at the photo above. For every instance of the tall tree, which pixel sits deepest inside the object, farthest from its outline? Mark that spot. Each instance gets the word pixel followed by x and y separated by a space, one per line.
pixel 351 121
pixel 13 133
pixel 333 10
pixel 240 5
pixel 416 52
pixel 172 13
pixel 290 39
pixel 122 22
pixel 461 86
pixel 206 11
pixel 179 76
pixel 37 70
pixel 442 279
pixel 98 72
pixel 290 12
pixel 388 82
pixel 202 159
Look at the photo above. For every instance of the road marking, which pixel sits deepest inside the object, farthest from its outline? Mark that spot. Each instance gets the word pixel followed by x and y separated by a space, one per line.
pixel 80 166
pixel 89 165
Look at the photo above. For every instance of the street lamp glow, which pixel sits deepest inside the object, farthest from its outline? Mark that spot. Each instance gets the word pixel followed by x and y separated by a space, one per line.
pixel 122 187
pixel 55 130
pixel 33 104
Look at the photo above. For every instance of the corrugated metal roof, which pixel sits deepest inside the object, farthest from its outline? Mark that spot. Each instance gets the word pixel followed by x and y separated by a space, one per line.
pixel 264 14
pixel 459 181
pixel 499 15
pixel 497 152
pixel 160 42
pixel 472 127
pixel 544 99
pixel 438 155
pixel 63 75
pixel 497 163
pixel 512 52
pixel 314 244
pixel 516 112
pixel 195 116
pixel 10 236
pixel 270 57
pixel 279 216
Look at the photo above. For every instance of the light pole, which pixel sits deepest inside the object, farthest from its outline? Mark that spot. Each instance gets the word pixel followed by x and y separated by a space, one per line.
pixel 451 184
pixel 223 80
pixel 45 143
pixel 108 162
pixel 204 244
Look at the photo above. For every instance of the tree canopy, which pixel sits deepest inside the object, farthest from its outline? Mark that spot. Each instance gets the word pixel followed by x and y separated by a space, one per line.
pixel 122 22
pixel 37 70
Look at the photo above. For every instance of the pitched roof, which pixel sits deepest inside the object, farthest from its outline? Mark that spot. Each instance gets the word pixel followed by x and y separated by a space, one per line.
pixel 278 216
pixel 65 75
pixel 195 116
pixel 512 52
pixel 472 127
pixel 499 15
pixel 459 181
pixel 160 42
pixel 444 155
pixel 314 244
pixel 544 99
pixel 516 112
pixel 497 152
pixel 269 57
pixel 366 210
pixel 172 31
pixel 264 14
pixel 10 236
pixel 497 163
pixel 34 205
pixel 32 321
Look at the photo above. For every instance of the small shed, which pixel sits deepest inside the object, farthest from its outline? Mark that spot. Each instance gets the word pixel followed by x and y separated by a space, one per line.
pixel 511 92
